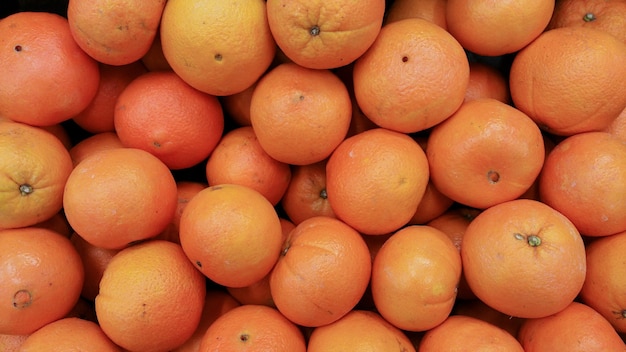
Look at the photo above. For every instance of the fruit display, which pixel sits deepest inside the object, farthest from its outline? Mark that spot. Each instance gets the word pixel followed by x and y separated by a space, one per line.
pixel 305 175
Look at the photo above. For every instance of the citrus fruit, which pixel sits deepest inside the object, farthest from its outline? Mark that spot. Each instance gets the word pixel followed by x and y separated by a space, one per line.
pixel 306 194
pixel 34 166
pixel 231 233
pixel 161 114
pixel 576 328
pixel 97 117
pixel 46 77
pixel 114 32
pixel 253 328
pixel 151 297
pixel 119 196
pixel 523 258
pixel 579 85
pixel 412 77
pixel 300 114
pixel 320 256
pixel 491 28
pixel 486 153
pixel 218 47
pixel 69 334
pixel 376 179
pixel 465 333
pixel 584 178
pixel 359 330
pixel 239 158
pixel 324 34
pixel 414 278
pixel 604 283
pixel 608 16
pixel 41 276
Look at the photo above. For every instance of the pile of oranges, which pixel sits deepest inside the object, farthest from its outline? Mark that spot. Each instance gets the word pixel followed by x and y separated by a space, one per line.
pixel 303 175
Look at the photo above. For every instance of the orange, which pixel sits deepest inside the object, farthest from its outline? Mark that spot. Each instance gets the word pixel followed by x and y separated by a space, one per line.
pixel 413 77
pixel 239 158
pixel 83 309
pixel 41 276
pixel 231 233
pixel 618 126
pixel 606 279
pixel 324 34
pixel 34 166
pixel 93 144
pixel 300 114
pixel 486 153
pixel 453 222
pixel 11 343
pixel 98 115
pixel 154 59
pixel 306 194
pixel 608 16
pixel 69 334
pixel 160 113
pixel 320 257
pixel 57 223
pixel 376 179
pixel 579 85
pixel 95 260
pixel 463 333
pixel 185 190
pixel 216 304
pixel 218 47
pixel 431 10
pixel 577 328
pixel 490 28
pixel 37 51
pixel 114 32
pixel 151 297
pixel 478 309
pixel 549 142
pixel 584 177
pixel 237 106
pixel 260 292
pixel 59 131
pixel 119 196
pixel 359 330
pixel 414 278
pixel 433 204
pixel 253 328
pixel 487 81
pixel 523 258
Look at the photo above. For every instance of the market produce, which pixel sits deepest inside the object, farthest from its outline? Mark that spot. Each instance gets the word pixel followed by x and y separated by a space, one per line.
pixel 307 175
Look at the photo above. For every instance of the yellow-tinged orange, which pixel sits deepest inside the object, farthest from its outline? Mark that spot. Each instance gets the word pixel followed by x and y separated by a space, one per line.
pixel 218 47
pixel 325 34
pixel 34 166
pixel 115 32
